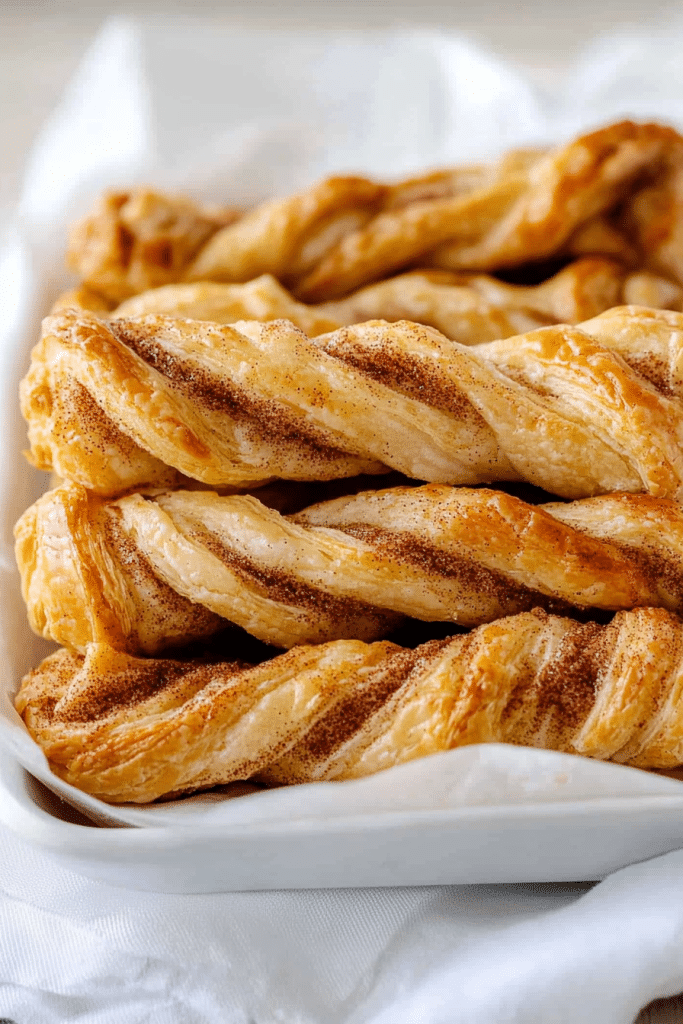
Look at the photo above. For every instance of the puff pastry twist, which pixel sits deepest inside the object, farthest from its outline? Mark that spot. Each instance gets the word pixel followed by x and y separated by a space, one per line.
pixel 143 573
pixel 469 309
pixel 576 410
pixel 617 191
pixel 127 729
pixel 139 240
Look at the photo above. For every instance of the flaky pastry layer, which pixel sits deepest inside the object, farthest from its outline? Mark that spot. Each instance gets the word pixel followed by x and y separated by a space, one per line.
pixel 129 729
pixel 581 410
pixel 468 308
pixel 146 572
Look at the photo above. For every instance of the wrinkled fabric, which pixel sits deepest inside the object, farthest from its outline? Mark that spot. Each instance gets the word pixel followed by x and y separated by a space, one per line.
pixel 81 951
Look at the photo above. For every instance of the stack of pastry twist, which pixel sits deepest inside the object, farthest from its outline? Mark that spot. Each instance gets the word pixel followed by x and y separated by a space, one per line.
pixel 319 421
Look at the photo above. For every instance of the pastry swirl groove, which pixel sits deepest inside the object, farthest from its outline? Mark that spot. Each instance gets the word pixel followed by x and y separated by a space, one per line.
pixel 129 729
pixel 124 403
pixel 345 232
pixel 146 572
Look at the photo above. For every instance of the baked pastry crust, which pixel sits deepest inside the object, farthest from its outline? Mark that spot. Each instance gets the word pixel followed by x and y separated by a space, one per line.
pixel 475 308
pixel 528 215
pixel 580 410
pixel 128 729
pixel 469 308
pixel 613 192
pixel 120 396
pixel 143 239
pixel 140 239
pixel 146 572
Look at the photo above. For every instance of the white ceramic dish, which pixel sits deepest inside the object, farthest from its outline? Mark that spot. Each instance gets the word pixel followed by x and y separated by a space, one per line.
pixel 575 840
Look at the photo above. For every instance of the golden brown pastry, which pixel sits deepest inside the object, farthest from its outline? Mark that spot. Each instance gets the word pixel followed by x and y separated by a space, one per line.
pixel 528 215
pixel 129 729
pixel 261 299
pixel 469 309
pixel 84 297
pixel 613 192
pixel 141 239
pixel 145 573
pixel 475 308
pixel 120 404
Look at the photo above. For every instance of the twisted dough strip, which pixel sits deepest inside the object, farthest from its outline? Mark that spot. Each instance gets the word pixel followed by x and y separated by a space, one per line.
pixel 139 240
pixel 525 216
pixel 143 573
pixel 345 232
pixel 133 241
pixel 469 309
pixel 126 729
pixel 127 403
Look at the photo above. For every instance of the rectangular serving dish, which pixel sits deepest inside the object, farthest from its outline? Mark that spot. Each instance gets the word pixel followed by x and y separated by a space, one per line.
pixel 577 840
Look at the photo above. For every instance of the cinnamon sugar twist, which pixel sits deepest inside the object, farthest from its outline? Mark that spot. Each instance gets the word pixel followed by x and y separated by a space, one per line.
pixel 576 410
pixel 144 573
pixel 128 729
pixel 616 192
pixel 468 308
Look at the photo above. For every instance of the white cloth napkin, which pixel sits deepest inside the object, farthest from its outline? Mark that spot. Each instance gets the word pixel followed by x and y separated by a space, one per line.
pixel 87 953
pixel 144 106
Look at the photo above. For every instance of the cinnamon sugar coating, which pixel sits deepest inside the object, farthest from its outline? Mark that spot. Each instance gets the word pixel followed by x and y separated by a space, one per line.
pixel 581 410
pixel 147 572
pixel 130 729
